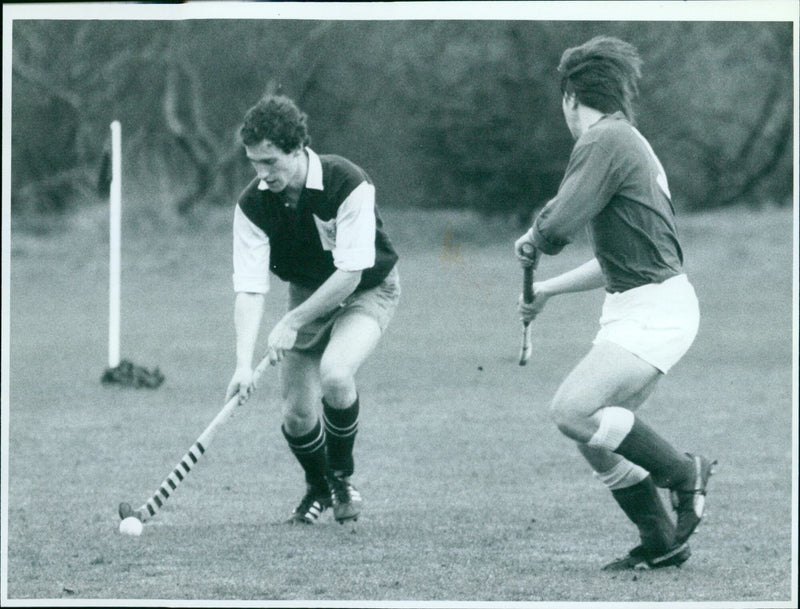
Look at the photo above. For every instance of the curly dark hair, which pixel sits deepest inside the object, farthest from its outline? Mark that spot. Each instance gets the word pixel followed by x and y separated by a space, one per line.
pixel 275 118
pixel 603 73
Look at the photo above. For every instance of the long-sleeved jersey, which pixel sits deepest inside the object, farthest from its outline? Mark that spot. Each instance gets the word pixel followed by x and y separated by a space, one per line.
pixel 615 185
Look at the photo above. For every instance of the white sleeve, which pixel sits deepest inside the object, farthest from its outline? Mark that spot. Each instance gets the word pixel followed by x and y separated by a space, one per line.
pixel 250 255
pixel 355 230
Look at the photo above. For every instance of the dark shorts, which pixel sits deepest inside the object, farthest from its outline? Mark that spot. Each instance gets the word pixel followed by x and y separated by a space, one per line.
pixel 379 303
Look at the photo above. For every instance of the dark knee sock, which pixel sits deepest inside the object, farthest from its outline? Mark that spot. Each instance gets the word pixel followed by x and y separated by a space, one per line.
pixel 642 504
pixel 309 449
pixel 341 426
pixel 644 447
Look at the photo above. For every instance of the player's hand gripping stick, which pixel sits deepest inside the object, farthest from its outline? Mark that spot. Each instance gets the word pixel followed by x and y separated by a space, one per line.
pixel 527 296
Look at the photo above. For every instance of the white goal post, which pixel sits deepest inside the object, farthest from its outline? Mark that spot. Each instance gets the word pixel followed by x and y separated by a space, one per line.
pixel 114 240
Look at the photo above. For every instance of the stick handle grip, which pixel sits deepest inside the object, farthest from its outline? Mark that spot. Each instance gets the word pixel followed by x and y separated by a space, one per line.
pixel 527 284
pixel 527 295
pixel 527 273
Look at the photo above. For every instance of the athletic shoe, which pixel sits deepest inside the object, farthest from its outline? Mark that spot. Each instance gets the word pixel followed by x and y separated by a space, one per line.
pixel 690 504
pixel 311 506
pixel 640 558
pixel 345 498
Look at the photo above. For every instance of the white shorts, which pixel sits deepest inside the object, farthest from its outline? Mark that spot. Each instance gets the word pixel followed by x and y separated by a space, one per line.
pixel 656 322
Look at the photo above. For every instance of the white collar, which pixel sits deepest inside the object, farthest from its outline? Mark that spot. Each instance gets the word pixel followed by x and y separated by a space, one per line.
pixel 313 177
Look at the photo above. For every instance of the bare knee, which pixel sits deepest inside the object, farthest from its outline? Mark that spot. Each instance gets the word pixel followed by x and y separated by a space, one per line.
pixel 338 384
pixel 573 415
pixel 298 420
pixel 299 409
pixel 562 415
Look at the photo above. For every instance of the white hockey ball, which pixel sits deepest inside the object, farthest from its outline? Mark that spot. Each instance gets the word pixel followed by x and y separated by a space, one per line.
pixel 131 526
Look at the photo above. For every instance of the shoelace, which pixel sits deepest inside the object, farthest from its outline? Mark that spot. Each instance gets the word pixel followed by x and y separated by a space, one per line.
pixel 308 501
pixel 341 490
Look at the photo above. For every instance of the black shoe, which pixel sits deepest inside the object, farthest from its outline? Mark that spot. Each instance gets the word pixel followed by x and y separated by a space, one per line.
pixel 640 558
pixel 345 498
pixel 690 503
pixel 311 507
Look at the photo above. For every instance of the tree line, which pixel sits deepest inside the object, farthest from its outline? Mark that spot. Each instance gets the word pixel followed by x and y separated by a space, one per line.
pixel 443 114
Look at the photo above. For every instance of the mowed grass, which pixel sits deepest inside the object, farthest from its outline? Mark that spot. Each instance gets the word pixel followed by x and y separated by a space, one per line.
pixel 471 494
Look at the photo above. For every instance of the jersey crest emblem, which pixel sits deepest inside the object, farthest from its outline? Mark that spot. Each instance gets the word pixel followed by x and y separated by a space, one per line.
pixel 327 232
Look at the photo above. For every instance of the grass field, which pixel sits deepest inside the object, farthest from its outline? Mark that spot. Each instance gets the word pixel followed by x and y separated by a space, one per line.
pixel 471 494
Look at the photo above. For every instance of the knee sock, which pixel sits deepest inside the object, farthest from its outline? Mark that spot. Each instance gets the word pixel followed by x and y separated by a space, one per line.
pixel 309 449
pixel 622 475
pixel 642 504
pixel 341 426
pixel 625 434
pixel 635 492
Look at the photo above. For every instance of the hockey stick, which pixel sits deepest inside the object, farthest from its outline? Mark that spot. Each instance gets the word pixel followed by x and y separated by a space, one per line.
pixel 192 456
pixel 527 296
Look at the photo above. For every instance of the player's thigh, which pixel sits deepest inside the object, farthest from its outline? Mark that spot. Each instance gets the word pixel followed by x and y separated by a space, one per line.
pixel 300 383
pixel 636 399
pixel 353 338
pixel 608 375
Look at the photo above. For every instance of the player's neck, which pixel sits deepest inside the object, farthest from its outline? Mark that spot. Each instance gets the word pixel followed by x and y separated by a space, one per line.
pixel 586 118
pixel 291 194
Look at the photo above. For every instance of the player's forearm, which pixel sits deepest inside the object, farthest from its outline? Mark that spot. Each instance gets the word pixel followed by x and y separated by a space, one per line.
pixel 327 297
pixel 248 310
pixel 588 276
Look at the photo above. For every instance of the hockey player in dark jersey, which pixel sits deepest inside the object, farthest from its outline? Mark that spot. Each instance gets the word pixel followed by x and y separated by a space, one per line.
pixel 615 186
pixel 312 221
